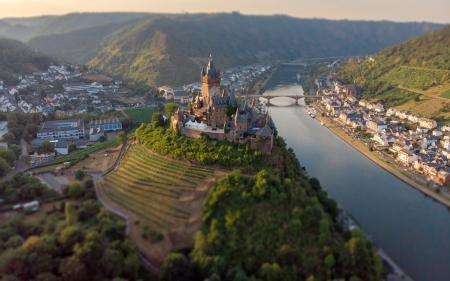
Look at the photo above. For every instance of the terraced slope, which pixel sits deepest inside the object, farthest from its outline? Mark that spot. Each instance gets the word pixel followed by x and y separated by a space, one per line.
pixel 162 194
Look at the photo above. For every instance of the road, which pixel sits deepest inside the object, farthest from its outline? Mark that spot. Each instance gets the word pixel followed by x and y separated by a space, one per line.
pixel 19 165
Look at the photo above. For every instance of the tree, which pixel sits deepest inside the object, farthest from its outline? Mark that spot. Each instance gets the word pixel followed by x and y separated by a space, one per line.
pixel 25 158
pixel 71 215
pixel 176 267
pixel 72 147
pixel 16 149
pixel 9 137
pixel 112 262
pixel 4 167
pixel 170 108
pixel 46 147
pixel 32 129
pixel 157 120
pixel 101 139
pixel 76 190
pixel 79 175
pixel 90 108
pixel 73 269
pixel 8 155
pixel 122 136
pixel 51 116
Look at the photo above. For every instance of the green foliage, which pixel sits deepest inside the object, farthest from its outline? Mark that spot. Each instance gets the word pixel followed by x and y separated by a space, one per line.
pixel 157 120
pixel 419 63
pixel 70 248
pixel 122 137
pixel 16 149
pixel 141 115
pixel 8 155
pixel 4 167
pixel 176 267
pixel 202 150
pixel 16 57
pixel 275 228
pixel 160 52
pixel 75 190
pixel 46 147
pixel 170 109
pixel 22 188
pixel 71 216
pixel 79 175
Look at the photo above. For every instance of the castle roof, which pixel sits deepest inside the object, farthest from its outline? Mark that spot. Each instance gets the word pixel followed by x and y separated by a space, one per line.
pixel 220 102
pixel 211 70
pixel 264 132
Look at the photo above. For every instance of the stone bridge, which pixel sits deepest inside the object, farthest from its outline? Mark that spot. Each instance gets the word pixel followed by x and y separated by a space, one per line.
pixel 295 97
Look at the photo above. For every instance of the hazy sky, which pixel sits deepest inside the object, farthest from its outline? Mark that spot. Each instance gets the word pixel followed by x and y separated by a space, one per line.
pixel 396 10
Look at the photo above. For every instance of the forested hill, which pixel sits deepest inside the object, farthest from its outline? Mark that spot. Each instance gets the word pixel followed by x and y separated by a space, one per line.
pixel 16 57
pixel 171 49
pixel 419 63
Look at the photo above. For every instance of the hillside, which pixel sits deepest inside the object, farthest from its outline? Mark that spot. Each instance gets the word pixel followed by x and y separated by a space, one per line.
pixel 273 225
pixel 173 50
pixel 418 66
pixel 79 46
pixel 16 57
pixel 26 28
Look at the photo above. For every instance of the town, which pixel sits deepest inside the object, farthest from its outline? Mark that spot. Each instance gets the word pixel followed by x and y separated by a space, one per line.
pixel 414 142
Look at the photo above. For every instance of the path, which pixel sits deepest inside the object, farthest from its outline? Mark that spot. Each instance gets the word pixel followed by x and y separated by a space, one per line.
pixel 51 182
pixel 96 177
pixel 19 165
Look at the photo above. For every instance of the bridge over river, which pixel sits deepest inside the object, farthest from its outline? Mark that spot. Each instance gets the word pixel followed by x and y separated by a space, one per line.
pixel 294 97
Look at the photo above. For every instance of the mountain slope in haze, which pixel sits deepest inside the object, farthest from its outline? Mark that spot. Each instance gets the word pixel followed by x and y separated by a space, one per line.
pixel 26 28
pixel 79 46
pixel 419 64
pixel 16 57
pixel 173 50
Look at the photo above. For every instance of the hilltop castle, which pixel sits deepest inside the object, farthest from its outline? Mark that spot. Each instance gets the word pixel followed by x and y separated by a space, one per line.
pixel 210 114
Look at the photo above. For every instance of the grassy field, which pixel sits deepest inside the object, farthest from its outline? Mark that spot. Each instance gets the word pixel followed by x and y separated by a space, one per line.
pixel 161 195
pixel 141 115
pixel 446 94
pixel 97 77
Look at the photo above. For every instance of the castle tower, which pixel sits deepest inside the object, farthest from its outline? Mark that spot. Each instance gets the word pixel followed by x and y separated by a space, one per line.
pixel 210 82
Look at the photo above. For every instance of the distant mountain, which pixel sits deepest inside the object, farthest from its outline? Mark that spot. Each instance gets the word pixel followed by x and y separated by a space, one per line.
pixel 26 28
pixel 173 50
pixel 16 57
pixel 419 64
pixel 79 46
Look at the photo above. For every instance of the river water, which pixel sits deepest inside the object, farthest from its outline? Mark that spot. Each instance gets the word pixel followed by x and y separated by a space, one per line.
pixel 413 229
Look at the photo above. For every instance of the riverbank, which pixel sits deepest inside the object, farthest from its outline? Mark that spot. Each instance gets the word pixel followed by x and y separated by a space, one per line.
pixel 422 187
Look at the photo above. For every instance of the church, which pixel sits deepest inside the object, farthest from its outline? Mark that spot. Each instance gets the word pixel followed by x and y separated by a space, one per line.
pixel 221 115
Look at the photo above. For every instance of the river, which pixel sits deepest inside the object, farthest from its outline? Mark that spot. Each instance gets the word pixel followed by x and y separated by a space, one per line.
pixel 411 228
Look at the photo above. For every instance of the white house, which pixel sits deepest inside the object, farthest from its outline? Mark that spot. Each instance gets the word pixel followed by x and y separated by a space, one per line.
pixel 428 123
pixel 406 156
pixel 391 111
pixel 376 126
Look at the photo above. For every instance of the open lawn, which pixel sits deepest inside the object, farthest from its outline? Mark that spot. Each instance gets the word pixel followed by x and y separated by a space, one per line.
pixel 141 115
pixel 97 78
pixel 161 195
pixel 446 94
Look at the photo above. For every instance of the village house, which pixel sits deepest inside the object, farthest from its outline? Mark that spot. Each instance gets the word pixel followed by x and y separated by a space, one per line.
pixel 427 123
pixel 391 111
pixel 406 157
pixel 376 126
pixel 182 97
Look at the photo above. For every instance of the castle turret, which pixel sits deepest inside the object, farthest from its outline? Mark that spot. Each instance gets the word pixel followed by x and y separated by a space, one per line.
pixel 210 82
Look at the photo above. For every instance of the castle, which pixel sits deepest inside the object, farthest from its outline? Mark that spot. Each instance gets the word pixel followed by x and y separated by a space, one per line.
pixel 219 115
